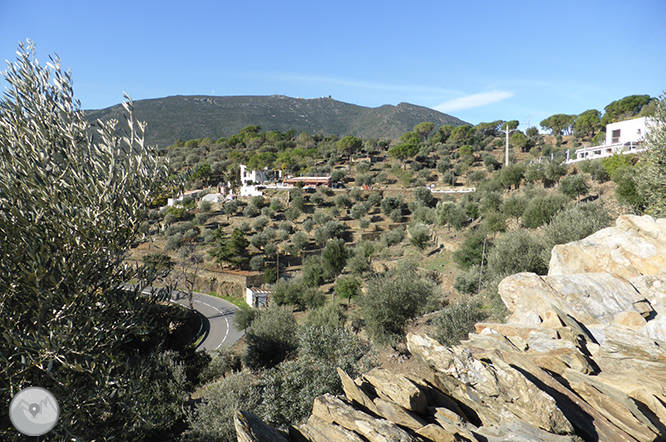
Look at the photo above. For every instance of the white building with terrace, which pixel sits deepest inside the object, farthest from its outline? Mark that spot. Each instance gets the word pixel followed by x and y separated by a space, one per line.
pixel 623 137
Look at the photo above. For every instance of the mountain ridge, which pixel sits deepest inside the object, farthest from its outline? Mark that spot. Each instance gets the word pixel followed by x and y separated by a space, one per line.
pixel 205 116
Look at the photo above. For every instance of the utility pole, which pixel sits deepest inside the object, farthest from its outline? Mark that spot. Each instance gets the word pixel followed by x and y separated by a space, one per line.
pixel 506 151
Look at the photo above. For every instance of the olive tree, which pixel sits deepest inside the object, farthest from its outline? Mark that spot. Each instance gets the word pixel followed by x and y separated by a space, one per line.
pixel 73 196
pixel 394 298
pixel 652 182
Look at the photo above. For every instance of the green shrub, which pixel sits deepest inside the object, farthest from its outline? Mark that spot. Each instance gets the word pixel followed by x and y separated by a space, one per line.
pixel 470 251
pixel 356 194
pixel 230 207
pixel 616 162
pixel 331 316
pixel 511 175
pixel 490 202
pixel 541 209
pixel 213 416
pixel 392 237
pixel 222 362
pixel 205 206
pixel 257 202
pixel 553 171
pixel 244 316
pixel 270 338
pixel 423 196
pixel 419 236
pixel 476 176
pixel 535 173
pixel 393 298
pixel 347 287
pixel 514 206
pixel 467 281
pixel 455 322
pixel 270 275
pixel 334 258
pixel 390 204
pixel 451 214
pixel 495 222
pixel 595 169
pixel 574 186
pixel 515 252
pixel 299 240
pixel 342 201
pixel 289 390
pixel 276 205
pixel 627 190
pixel 250 211
pixel 576 222
pixel 257 263
pixel 358 210
pixel 396 215
pixel 313 271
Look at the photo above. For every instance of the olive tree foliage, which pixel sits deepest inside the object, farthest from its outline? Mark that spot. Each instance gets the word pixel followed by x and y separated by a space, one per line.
pixel 72 199
pixel 213 417
pixel 393 299
pixel 652 182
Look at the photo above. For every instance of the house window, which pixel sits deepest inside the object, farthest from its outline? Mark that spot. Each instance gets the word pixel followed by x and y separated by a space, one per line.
pixel 616 136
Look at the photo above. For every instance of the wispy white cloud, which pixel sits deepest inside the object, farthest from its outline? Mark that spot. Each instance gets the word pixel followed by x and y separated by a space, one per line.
pixel 472 101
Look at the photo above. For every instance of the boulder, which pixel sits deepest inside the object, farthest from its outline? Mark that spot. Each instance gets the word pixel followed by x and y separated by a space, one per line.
pixel 318 430
pixel 589 423
pixel 398 389
pixel 436 433
pixel 619 404
pixel 635 246
pixel 498 386
pixel 519 431
pixel 395 413
pixel 631 319
pixel 333 410
pixel 653 288
pixel 511 330
pixel 250 428
pixel 525 294
pixel 595 298
pixel 619 415
pixel 354 393
pixel 591 298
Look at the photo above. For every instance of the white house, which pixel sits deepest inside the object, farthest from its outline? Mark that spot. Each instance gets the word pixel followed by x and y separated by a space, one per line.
pixel 623 137
pixel 628 131
pixel 256 176
pixel 250 191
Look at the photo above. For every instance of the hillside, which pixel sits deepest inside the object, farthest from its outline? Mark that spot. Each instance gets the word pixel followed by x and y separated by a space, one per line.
pixel 188 117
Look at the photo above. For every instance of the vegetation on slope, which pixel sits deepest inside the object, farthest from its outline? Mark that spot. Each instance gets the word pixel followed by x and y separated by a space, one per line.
pixel 186 117
pixel 384 239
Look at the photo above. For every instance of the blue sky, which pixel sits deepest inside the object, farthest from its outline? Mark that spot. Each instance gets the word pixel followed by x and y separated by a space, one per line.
pixel 477 60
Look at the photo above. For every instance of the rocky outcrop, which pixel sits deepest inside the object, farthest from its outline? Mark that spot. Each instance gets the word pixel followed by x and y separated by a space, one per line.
pixel 636 246
pixel 581 357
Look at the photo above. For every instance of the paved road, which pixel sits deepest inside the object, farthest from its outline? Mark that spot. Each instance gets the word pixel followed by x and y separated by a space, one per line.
pixel 218 326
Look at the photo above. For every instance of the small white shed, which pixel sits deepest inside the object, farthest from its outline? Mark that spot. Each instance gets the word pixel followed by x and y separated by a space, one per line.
pixel 255 297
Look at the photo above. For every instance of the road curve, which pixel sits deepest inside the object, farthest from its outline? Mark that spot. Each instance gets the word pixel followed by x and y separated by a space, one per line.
pixel 218 325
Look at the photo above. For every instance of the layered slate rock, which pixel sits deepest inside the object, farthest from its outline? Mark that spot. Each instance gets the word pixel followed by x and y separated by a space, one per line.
pixel 582 357
pixel 636 246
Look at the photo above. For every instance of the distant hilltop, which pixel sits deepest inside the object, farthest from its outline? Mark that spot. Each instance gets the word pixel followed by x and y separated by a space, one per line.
pixel 188 117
